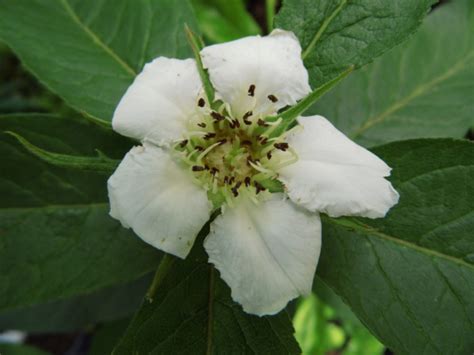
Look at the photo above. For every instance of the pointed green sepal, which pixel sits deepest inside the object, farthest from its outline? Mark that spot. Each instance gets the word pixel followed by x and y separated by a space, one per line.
pixel 290 115
pixel 99 164
pixel 196 45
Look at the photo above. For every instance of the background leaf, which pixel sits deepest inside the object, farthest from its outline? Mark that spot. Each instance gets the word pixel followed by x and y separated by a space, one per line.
pixel 201 318
pixel 88 52
pixel 57 239
pixel 424 88
pixel 337 34
pixel 224 20
pixel 78 312
pixel 410 277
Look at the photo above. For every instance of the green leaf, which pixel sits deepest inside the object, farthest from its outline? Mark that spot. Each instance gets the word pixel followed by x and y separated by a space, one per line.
pixel 57 239
pixel 224 20
pixel 422 89
pixel 89 51
pixel 79 312
pixel 14 349
pixel 107 336
pixel 410 277
pixel 336 34
pixel 201 317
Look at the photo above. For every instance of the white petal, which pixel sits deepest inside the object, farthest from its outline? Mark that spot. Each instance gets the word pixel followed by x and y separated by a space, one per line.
pixel 335 175
pixel 267 253
pixel 272 63
pixel 160 102
pixel 150 193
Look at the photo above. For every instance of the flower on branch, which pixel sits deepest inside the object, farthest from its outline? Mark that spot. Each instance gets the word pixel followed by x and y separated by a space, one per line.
pixel 197 156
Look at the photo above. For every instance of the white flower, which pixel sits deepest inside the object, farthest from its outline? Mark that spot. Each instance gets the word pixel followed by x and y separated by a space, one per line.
pixel 265 245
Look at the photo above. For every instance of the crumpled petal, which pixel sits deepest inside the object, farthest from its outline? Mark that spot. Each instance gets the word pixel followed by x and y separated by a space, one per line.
pixel 266 253
pixel 272 63
pixel 335 175
pixel 150 193
pixel 160 102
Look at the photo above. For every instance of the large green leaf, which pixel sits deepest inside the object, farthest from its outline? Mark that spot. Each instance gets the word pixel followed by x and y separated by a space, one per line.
pixel 78 312
pixel 57 239
pixel 336 34
pixel 224 20
pixel 410 277
pixel 192 313
pixel 89 51
pixel 424 88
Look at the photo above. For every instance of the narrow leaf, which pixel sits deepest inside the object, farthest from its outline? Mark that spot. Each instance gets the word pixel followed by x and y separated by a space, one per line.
pixel 100 164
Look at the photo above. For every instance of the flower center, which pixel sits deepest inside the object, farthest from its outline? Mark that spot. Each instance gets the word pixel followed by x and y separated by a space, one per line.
pixel 229 155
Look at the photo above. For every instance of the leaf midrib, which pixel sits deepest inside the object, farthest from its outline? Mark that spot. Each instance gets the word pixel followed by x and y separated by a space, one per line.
pixel 373 232
pixel 96 39
pixel 323 28
pixel 419 91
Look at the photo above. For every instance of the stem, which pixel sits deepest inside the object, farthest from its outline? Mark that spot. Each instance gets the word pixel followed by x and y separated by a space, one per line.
pixel 165 265
pixel 270 6
pixel 196 45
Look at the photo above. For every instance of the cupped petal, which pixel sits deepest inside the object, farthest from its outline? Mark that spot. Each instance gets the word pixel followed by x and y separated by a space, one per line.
pixel 266 253
pixel 150 193
pixel 272 64
pixel 334 175
pixel 160 102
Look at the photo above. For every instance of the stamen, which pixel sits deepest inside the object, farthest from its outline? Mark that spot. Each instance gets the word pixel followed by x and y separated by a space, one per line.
pixel 246 142
pixel 251 91
pixel 202 124
pixel 258 187
pixel 269 155
pixel 222 141
pixel 198 168
pixel 226 180
pixel 262 123
pixel 236 188
pixel 199 148
pixel 281 146
pixel 209 135
pixel 217 116
pixel 272 98
pixel 208 149
pixel 246 116
pixel 183 143
pixel 260 168
pixel 264 140
pixel 214 171
pixel 201 102
pixel 247 181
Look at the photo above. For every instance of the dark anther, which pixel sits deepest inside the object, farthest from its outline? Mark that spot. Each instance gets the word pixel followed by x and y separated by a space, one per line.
pixel 258 187
pixel 183 143
pixel 222 141
pixel 199 148
pixel 269 155
pixel 206 167
pixel 246 142
pixel 226 180
pixel 262 123
pixel 198 168
pixel 236 188
pixel 264 140
pixel 251 91
pixel 246 116
pixel 236 123
pixel 209 135
pixel 272 98
pixel 217 116
pixel 231 180
pixel 201 102
pixel 281 146
pixel 247 181
pixel 214 171
pixel 202 124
